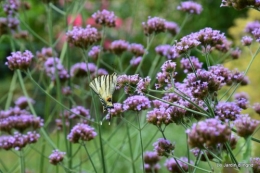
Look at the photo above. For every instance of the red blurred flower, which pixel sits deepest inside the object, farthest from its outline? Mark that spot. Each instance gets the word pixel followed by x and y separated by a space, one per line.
pixel 75 21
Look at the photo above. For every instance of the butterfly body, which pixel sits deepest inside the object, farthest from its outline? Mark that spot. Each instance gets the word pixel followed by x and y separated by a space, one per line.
pixel 104 86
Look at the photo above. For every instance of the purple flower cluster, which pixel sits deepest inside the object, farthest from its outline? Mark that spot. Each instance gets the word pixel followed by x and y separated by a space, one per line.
pixel 79 112
pixel 19 60
pixel 166 77
pixel 225 73
pixel 247 40
pixel 117 110
pixel 81 69
pixel 256 107
pixel 154 25
pixel 22 102
pixel 129 82
pixel 135 61
pixel 136 49
pixel 239 77
pixel 82 132
pixel 163 147
pixel 94 52
pixel 163 49
pixel 18 140
pixel 190 7
pixel 143 85
pixel 83 37
pixel 45 53
pixel 56 157
pixel 173 167
pixel 19 119
pixel 119 46
pixel 235 54
pixel 197 151
pixel 105 17
pixel 190 64
pixel 254 29
pixel 136 103
pixel 245 125
pixel 54 64
pixel 241 100
pixel 158 116
pixel 202 83
pixel 151 160
pixel 172 28
pixel 11 7
pixel 207 133
pixel 226 111
pixel 239 5
pixel 255 161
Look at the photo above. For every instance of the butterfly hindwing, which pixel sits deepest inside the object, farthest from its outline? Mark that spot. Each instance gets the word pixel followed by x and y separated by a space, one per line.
pixel 104 86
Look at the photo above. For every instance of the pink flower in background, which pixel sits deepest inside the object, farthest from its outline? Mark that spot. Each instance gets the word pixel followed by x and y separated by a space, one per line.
pixel 75 20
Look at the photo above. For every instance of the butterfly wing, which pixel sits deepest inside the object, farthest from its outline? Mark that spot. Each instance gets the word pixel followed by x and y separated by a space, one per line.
pixel 104 86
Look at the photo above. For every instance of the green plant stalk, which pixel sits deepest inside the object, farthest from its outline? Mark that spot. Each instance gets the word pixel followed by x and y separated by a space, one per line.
pixel 141 141
pixel 92 163
pixel 248 151
pixel 42 157
pixel 11 91
pixel 99 126
pixel 130 148
pixel 22 162
pixel 149 43
pixel 32 109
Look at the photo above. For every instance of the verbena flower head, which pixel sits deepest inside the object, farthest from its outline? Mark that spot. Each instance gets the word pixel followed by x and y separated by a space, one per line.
pixel 209 132
pixel 81 132
pixel 185 44
pixel 163 147
pixel 119 46
pixel 79 110
pixel 56 157
pixel 81 69
pixel 190 64
pixel 239 77
pixel 101 71
pixel 11 7
pixel 136 49
pixel 18 140
pixel 158 116
pixel 83 37
pixel 241 100
pixel 128 82
pixel 54 64
pixel 190 7
pixel 159 104
pixel 251 26
pixel 154 25
pixel 176 114
pixel 256 34
pixel 143 85
pixel 136 103
pixel 45 53
pixel 168 67
pixel 135 61
pixel 246 40
pixel 203 83
pixel 172 28
pixel 163 49
pixel 94 52
pixel 19 60
pixel 66 91
pixel 117 110
pixel 151 160
pixel 22 102
pixel 105 17
pixel 256 107
pixel 245 125
pixel 255 161
pixel 239 5
pixel 235 54
pixel 173 167
pixel 227 111
pixel 225 73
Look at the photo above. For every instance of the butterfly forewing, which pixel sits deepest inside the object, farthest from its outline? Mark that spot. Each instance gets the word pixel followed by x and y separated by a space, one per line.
pixel 104 86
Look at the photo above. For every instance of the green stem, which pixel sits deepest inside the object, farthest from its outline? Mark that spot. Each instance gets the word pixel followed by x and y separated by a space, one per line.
pixel 32 109
pixel 130 147
pixel 92 163
pixel 11 91
pixel 22 162
pixel 140 135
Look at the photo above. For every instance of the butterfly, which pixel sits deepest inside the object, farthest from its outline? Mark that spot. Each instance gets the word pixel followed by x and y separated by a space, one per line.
pixel 104 86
